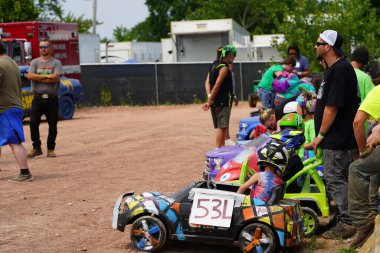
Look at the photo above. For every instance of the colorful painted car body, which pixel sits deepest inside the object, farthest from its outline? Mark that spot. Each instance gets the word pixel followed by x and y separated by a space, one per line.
pixel 230 171
pixel 70 93
pixel 258 227
pixel 217 158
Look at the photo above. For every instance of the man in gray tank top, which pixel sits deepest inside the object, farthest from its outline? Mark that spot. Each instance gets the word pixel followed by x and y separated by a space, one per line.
pixel 44 73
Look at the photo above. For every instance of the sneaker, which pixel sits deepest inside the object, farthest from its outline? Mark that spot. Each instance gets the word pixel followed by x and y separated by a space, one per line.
pixel 34 152
pixel 340 231
pixel 51 153
pixel 361 236
pixel 230 142
pixel 21 178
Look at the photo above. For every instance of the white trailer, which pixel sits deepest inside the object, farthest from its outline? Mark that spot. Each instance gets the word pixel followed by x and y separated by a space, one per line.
pixel 127 51
pixel 263 47
pixel 197 41
pixel 89 48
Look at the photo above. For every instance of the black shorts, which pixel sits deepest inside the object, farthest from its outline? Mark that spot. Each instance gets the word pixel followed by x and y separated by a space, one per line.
pixel 221 116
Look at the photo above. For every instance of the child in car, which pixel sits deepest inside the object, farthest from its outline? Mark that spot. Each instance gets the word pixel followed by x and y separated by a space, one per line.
pixel 273 158
pixel 268 124
pixel 292 137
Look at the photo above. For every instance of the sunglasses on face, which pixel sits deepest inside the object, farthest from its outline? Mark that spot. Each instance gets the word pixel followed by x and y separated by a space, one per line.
pixel 45 47
pixel 292 53
pixel 320 43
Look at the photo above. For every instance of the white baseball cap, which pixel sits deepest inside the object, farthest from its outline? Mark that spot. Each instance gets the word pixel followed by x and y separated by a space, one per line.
pixel 334 39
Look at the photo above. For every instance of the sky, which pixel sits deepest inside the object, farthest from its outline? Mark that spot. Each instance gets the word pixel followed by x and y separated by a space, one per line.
pixel 111 12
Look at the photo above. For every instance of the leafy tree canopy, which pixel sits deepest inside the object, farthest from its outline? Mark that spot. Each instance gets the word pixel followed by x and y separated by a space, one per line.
pixel 300 21
pixel 355 20
pixel 43 10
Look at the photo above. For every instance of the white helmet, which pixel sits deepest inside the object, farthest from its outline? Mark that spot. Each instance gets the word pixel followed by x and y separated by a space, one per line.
pixel 290 107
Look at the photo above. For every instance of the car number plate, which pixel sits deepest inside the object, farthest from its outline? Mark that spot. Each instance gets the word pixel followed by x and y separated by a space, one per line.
pixel 212 210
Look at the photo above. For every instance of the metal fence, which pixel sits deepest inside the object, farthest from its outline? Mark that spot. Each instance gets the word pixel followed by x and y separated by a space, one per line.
pixel 158 83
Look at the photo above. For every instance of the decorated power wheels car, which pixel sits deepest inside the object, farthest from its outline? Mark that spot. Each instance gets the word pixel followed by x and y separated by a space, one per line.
pixel 218 215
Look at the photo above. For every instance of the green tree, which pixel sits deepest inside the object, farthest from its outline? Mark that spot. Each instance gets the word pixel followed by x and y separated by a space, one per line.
pixel 121 33
pixel 18 10
pixel 157 24
pixel 355 20
pixel 257 16
pixel 84 25
pixel 49 10
pixel 43 10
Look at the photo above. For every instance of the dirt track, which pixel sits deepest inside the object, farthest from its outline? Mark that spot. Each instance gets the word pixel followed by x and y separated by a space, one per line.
pixel 103 152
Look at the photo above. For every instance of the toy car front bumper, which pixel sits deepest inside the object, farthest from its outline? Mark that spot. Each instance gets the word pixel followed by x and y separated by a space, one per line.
pixel 120 218
pixel 241 136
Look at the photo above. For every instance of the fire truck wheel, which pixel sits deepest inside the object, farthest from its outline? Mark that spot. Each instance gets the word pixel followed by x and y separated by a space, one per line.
pixel 66 108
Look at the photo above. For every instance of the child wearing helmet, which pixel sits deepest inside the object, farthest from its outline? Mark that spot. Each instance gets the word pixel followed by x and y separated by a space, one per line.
pixel 306 108
pixel 273 158
pixel 291 121
pixel 293 138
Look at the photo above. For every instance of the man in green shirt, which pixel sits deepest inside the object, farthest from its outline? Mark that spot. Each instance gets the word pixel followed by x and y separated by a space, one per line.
pixel 364 173
pixel 359 59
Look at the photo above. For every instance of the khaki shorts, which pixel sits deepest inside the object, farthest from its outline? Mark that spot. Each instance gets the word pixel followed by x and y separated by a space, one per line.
pixel 221 116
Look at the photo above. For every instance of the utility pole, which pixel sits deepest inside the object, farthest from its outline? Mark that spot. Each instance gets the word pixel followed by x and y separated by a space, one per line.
pixel 94 16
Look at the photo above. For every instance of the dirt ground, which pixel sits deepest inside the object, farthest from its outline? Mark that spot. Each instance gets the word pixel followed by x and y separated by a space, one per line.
pixel 103 152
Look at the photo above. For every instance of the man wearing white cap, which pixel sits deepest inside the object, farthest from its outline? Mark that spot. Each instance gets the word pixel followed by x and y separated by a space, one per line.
pixel 337 104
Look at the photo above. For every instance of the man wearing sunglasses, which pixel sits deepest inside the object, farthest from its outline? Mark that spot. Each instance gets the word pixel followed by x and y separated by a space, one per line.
pixel 337 103
pixel 44 73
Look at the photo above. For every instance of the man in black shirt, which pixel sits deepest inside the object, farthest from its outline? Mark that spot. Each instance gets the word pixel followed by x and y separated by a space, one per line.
pixel 337 104
pixel 221 94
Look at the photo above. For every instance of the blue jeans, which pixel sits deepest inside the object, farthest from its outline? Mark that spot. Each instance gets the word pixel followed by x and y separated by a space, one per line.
pixel 266 97
pixel 363 185
pixel 336 164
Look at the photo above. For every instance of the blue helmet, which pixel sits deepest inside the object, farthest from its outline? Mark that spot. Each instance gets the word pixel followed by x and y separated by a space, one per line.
pixel 292 139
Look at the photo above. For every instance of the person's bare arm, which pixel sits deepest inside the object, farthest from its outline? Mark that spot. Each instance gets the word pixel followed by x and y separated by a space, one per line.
pixel 308 146
pixel 207 85
pixel 222 74
pixel 277 73
pixel 374 139
pixel 304 73
pixel 50 78
pixel 359 131
pixel 253 180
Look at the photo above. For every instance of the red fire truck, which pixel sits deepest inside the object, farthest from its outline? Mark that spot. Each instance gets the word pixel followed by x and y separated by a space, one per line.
pixel 21 40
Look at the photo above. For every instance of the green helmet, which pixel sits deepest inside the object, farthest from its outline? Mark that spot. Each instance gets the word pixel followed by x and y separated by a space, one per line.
pixel 228 49
pixel 292 120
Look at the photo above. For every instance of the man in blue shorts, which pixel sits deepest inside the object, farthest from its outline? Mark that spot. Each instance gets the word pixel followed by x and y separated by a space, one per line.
pixel 11 113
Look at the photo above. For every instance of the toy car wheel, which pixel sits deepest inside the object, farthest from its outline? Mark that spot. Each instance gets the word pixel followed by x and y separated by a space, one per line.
pixel 257 237
pixel 66 107
pixel 310 221
pixel 148 233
